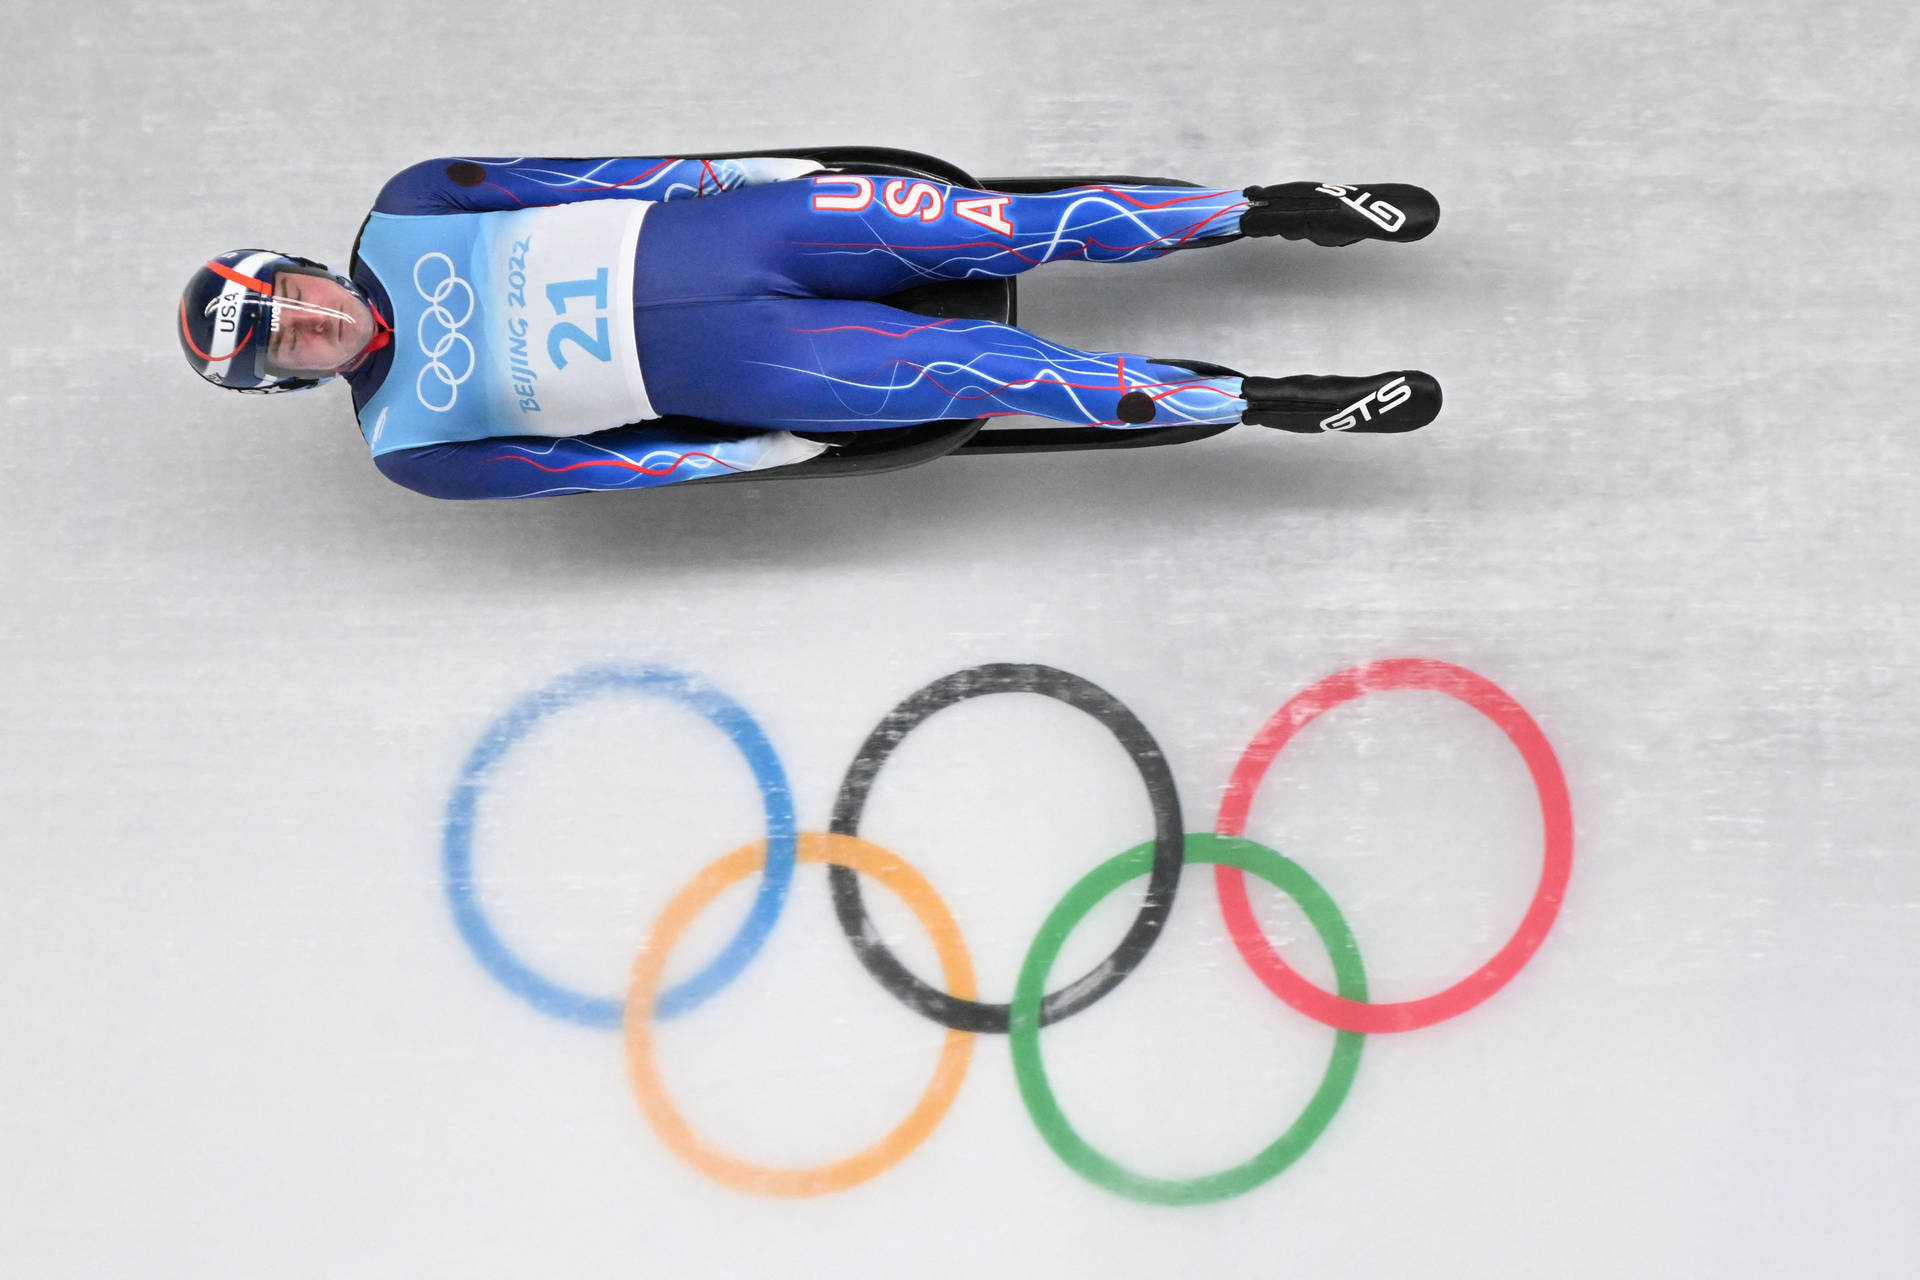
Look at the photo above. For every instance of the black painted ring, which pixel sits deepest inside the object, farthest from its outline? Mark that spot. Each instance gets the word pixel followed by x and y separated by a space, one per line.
pixel 1169 841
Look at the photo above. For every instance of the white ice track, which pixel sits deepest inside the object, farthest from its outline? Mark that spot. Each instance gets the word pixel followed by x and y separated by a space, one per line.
pixel 1668 508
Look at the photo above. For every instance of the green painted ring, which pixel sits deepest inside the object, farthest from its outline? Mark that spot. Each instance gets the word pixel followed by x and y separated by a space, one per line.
pixel 1024 1029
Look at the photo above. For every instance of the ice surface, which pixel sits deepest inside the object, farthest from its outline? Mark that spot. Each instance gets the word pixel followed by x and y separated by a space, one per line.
pixel 1668 508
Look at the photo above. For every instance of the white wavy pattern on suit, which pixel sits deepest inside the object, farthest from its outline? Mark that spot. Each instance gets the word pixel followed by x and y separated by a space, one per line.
pixel 1020 373
pixel 665 180
pixel 1088 227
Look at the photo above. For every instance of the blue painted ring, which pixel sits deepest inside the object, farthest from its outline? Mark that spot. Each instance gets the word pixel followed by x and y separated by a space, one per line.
pixel 507 732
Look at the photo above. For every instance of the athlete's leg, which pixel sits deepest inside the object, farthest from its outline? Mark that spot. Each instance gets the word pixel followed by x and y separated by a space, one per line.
pixel 859 236
pixel 810 364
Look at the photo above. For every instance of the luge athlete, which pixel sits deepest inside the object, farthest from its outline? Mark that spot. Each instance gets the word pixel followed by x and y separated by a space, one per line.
pixel 511 327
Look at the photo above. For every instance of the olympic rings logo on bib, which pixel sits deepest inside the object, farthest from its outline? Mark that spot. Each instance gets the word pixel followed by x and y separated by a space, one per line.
pixel 954 1003
pixel 447 339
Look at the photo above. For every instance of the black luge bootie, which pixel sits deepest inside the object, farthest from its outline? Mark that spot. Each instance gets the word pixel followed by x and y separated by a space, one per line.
pixel 1331 214
pixel 1403 400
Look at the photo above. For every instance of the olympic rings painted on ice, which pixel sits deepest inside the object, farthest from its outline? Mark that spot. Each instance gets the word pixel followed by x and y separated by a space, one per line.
pixel 1161 860
pixel 976 682
pixel 1556 815
pixel 509 730
pixel 1223 851
pixel 856 855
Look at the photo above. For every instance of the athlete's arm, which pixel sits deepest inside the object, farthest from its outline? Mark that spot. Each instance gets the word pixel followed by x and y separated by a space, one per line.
pixel 477 184
pixel 638 456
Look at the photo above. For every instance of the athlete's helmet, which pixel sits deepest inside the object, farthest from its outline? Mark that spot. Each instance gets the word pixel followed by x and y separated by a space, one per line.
pixel 229 313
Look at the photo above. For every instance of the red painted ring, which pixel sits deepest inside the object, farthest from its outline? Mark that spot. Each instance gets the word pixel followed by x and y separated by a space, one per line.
pixel 1556 812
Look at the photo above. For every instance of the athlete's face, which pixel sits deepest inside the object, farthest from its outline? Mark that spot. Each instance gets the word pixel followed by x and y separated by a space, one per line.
pixel 320 326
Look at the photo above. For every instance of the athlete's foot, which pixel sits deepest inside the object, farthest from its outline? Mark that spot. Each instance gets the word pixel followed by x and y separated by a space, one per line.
pixel 1397 401
pixel 1331 214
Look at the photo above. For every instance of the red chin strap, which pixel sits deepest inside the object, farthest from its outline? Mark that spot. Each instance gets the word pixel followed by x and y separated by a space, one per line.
pixel 382 335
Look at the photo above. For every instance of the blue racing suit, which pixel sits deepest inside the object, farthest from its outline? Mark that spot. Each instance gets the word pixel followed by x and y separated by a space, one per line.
pixel 752 288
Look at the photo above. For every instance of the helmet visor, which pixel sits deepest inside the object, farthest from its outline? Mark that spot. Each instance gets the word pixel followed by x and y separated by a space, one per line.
pixel 316 323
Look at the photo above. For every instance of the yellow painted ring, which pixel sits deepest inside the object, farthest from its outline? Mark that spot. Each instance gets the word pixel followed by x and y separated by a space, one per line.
pixel 869 860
